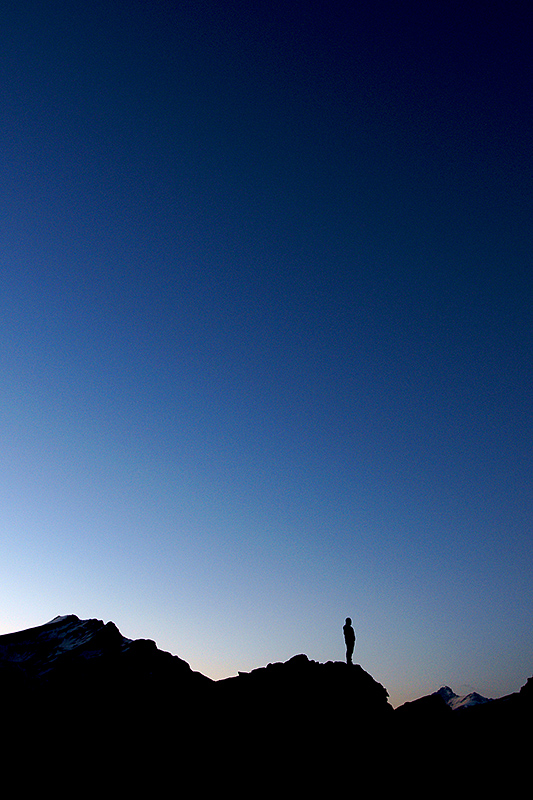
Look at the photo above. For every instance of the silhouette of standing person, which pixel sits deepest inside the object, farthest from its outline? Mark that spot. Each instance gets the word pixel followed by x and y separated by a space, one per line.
pixel 349 638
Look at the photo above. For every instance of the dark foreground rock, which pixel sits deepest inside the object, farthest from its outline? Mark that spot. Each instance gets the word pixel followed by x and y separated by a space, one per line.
pixel 85 708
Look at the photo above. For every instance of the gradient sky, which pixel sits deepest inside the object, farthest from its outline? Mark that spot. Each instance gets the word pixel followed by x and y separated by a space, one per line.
pixel 266 331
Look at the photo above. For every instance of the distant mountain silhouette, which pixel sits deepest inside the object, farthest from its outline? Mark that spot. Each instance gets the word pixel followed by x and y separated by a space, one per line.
pixel 457 702
pixel 439 703
pixel 484 740
pixel 76 690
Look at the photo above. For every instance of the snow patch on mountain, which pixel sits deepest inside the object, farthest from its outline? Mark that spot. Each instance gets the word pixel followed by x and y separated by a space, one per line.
pixel 455 701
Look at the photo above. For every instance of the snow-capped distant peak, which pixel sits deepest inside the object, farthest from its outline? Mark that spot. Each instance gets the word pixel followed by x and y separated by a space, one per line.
pixel 446 693
pixel 455 701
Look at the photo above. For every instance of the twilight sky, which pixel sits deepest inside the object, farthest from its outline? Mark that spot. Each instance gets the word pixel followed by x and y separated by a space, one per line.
pixel 266 331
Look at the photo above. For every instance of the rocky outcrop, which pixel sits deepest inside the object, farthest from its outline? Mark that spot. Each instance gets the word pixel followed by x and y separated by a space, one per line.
pixel 303 717
pixel 301 689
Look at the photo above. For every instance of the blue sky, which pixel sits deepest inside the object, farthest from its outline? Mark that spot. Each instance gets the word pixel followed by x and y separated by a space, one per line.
pixel 266 332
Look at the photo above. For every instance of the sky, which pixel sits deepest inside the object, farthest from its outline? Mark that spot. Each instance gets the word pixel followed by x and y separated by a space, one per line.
pixel 266 331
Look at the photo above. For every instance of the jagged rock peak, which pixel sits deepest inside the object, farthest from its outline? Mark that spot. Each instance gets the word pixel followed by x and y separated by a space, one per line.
pixel 68 647
pixel 446 693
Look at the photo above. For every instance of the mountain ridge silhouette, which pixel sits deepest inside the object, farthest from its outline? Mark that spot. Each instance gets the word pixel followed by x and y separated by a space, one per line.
pixel 76 686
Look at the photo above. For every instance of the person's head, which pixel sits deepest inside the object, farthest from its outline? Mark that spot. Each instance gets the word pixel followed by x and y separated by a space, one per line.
pixel 348 621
